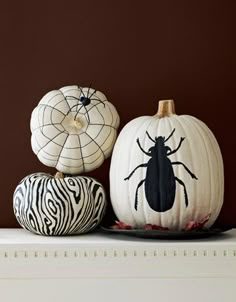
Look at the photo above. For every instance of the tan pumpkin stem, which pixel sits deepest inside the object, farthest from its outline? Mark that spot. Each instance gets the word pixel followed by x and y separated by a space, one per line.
pixel 165 108
pixel 59 175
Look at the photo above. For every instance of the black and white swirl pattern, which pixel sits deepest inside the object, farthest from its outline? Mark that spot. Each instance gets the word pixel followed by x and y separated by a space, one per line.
pixel 59 206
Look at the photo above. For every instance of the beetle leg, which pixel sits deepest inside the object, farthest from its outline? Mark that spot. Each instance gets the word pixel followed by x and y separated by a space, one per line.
pixel 140 166
pixel 141 148
pixel 186 168
pixel 175 150
pixel 136 194
pixel 185 191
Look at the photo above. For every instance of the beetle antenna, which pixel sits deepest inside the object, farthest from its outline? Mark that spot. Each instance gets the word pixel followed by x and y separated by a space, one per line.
pixel 150 137
pixel 170 135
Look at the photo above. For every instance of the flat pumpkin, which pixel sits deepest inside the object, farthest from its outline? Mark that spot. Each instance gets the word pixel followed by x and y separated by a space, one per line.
pixel 74 129
pixel 166 170
pixel 59 205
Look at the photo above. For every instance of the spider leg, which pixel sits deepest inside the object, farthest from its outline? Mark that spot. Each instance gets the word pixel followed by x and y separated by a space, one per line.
pixel 185 167
pixel 136 194
pixel 88 91
pixel 78 111
pixel 139 166
pixel 87 115
pixel 185 191
pixel 72 97
pixel 92 93
pixel 98 99
pixel 81 90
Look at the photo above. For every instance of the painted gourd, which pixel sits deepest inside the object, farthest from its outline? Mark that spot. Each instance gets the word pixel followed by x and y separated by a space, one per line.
pixel 166 170
pixel 59 205
pixel 74 129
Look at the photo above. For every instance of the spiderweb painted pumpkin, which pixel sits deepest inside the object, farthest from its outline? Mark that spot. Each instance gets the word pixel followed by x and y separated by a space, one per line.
pixel 74 129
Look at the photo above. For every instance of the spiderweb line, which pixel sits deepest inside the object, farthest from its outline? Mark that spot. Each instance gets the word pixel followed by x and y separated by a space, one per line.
pixel 51 141
pixel 45 105
pixel 82 158
pixel 95 143
pixel 35 129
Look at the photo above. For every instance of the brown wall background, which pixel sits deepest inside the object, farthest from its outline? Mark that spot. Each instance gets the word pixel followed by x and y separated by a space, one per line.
pixel 136 52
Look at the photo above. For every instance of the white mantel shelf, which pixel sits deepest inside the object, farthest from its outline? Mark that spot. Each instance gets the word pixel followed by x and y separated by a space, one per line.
pixel 128 268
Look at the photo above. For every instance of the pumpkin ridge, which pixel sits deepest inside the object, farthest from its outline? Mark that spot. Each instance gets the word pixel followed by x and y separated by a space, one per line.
pixel 82 157
pixel 47 126
pixel 132 194
pixel 65 99
pixel 50 140
pixel 179 120
pixel 58 158
pixel 200 132
pixel 177 192
pixel 49 100
pixel 95 105
pixel 96 144
pixel 117 120
pixel 53 108
pixel 217 155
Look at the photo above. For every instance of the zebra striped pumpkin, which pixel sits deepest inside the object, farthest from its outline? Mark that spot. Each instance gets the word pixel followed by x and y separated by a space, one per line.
pixel 49 205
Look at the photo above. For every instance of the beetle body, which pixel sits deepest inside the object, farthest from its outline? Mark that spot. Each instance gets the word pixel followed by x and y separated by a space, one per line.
pixel 160 180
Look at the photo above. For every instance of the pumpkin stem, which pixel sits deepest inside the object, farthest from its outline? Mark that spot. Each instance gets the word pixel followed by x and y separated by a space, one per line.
pixel 59 175
pixel 165 108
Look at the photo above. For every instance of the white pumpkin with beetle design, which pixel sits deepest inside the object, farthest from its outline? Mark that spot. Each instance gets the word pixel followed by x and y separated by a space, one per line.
pixel 166 170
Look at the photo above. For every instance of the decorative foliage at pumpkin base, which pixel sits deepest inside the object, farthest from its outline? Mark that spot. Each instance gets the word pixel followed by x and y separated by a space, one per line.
pixel 190 226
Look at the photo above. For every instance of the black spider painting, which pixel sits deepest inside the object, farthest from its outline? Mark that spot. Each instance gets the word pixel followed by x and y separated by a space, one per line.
pixel 84 101
pixel 160 180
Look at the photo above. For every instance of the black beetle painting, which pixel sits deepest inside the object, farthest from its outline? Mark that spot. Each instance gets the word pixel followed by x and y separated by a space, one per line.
pixel 160 180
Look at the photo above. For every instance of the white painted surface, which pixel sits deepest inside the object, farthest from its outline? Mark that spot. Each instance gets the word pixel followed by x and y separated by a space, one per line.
pixel 114 268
